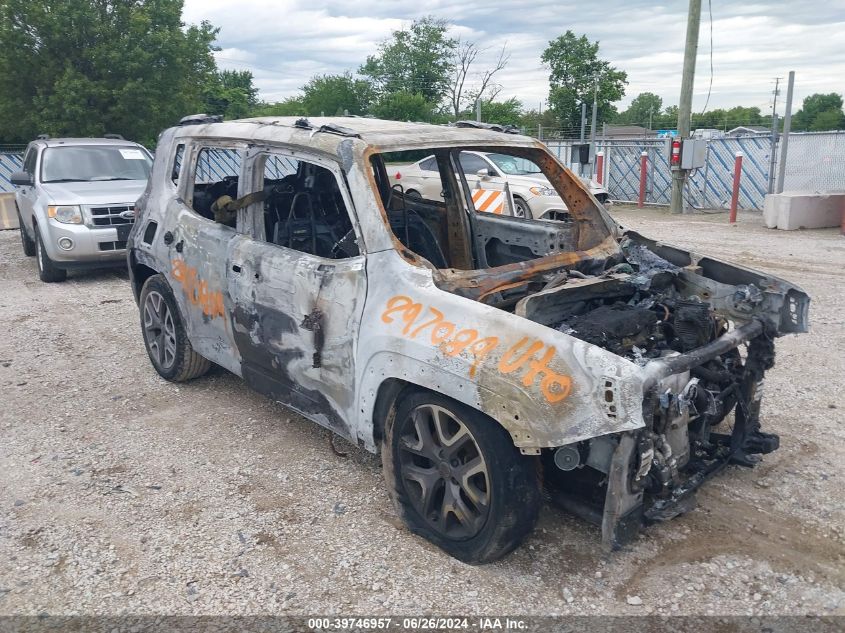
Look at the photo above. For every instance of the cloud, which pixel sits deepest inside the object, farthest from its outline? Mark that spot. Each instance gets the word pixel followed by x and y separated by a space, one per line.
pixel 284 43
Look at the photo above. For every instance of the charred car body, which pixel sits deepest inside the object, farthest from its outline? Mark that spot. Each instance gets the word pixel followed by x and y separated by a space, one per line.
pixel 485 356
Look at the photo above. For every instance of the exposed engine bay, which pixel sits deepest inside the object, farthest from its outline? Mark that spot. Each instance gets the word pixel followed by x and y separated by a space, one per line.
pixel 704 342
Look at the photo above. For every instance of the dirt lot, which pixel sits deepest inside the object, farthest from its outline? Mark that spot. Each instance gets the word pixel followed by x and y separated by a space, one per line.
pixel 123 493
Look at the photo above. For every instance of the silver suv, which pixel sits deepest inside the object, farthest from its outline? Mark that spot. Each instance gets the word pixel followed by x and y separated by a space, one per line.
pixel 482 355
pixel 76 199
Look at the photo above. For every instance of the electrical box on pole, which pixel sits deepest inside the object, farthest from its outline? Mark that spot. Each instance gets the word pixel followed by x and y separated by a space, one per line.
pixel 686 153
pixel 693 153
pixel 580 153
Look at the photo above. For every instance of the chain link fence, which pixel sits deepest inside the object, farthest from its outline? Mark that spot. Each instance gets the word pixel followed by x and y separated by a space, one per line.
pixel 815 162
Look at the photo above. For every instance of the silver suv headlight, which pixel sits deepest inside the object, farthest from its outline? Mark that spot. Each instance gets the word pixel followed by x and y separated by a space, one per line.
pixel 65 214
pixel 542 191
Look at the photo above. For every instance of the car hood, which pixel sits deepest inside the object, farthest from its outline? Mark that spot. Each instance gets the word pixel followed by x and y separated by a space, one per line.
pixel 96 192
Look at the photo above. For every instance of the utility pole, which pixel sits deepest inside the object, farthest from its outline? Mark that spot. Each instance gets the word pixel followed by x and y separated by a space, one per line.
pixel 773 154
pixel 650 116
pixel 583 118
pixel 776 93
pixel 787 127
pixel 478 109
pixel 679 176
pixel 593 125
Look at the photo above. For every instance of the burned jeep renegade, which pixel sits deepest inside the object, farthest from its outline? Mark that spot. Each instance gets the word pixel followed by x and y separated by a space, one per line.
pixel 485 356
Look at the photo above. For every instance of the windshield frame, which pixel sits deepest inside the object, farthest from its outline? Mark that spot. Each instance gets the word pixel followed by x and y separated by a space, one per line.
pixel 42 162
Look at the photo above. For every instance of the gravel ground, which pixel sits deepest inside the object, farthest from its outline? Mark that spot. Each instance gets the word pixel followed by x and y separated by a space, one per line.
pixel 125 494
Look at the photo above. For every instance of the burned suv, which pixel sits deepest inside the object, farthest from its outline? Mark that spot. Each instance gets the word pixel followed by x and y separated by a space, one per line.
pixel 485 356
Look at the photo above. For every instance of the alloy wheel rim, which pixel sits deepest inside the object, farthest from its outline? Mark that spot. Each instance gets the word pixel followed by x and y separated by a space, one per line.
pixel 159 330
pixel 444 473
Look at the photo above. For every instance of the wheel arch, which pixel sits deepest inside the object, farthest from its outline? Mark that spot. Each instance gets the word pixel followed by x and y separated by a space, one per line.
pixel 382 389
pixel 139 273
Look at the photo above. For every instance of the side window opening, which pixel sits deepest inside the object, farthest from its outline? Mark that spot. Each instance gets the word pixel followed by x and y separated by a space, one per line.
pixel 215 183
pixel 304 208
pixel 177 162
pixel 416 209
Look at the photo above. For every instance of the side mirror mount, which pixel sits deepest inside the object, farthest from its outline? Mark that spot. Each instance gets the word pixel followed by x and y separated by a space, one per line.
pixel 21 179
pixel 483 173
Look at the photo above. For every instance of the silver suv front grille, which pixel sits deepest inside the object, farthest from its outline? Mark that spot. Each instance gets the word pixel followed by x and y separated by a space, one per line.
pixel 112 215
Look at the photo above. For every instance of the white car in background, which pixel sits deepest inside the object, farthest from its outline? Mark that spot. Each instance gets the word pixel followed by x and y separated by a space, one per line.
pixel 533 195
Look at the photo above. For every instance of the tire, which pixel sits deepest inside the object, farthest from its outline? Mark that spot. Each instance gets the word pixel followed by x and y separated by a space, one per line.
pixel 521 208
pixel 498 495
pixel 164 334
pixel 27 242
pixel 47 270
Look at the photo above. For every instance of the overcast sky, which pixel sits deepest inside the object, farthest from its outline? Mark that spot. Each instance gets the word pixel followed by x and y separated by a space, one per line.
pixel 284 42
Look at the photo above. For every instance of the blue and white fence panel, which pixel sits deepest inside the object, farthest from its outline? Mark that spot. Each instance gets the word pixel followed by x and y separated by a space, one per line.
pixel 11 160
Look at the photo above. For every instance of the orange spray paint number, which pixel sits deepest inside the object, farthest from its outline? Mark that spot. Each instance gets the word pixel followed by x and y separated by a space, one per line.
pixel 453 341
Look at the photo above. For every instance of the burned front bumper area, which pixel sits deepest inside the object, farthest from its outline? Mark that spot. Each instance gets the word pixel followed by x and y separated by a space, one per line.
pixel 650 475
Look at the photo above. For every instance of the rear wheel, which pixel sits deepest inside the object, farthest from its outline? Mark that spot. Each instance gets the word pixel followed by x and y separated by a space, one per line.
pixel 47 270
pixel 457 479
pixel 165 337
pixel 27 242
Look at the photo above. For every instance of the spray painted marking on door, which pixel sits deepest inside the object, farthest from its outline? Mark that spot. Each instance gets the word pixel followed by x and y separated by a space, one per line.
pixel 197 291
pixel 489 201
pixel 452 341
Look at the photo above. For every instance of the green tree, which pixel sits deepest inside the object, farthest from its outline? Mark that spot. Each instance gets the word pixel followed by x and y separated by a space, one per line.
pixel 532 119
pixel 83 68
pixel 502 112
pixel 230 93
pixel 404 106
pixel 825 106
pixel 644 108
pixel 417 60
pixel 292 106
pixel 828 120
pixel 332 94
pixel 575 70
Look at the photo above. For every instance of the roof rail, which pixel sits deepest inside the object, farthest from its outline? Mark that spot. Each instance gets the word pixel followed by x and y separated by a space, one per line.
pixel 116 137
pixel 43 137
pixel 198 119
pixel 493 127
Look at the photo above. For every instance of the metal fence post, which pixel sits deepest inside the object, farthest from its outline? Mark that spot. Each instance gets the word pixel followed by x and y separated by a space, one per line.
pixel 599 167
pixel 643 178
pixel 735 191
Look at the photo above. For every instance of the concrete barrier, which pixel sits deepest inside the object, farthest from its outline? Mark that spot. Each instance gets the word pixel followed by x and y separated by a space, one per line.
pixel 793 210
pixel 8 213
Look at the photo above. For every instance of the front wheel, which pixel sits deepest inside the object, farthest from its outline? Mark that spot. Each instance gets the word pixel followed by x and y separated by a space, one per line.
pixel 165 337
pixel 27 243
pixel 47 271
pixel 521 208
pixel 457 479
